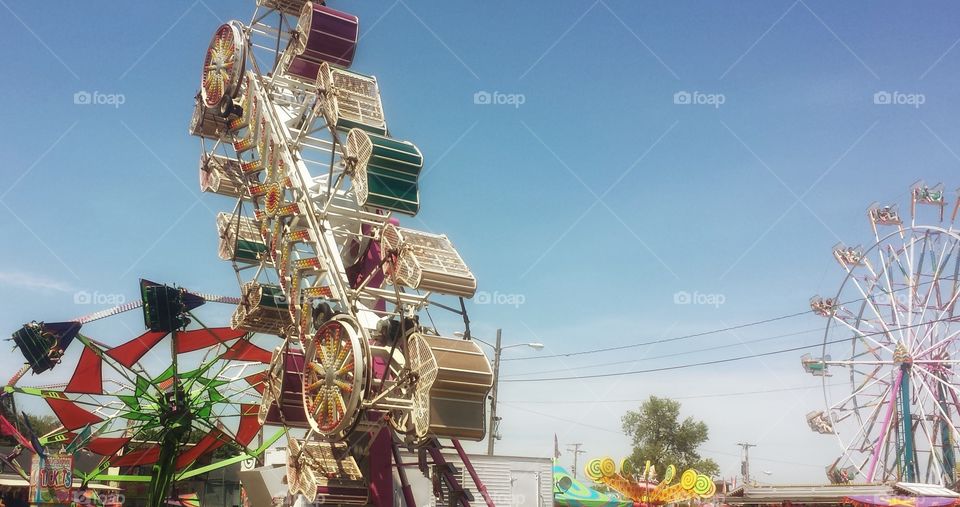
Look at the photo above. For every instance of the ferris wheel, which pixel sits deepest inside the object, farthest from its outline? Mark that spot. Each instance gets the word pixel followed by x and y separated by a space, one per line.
pixel 889 362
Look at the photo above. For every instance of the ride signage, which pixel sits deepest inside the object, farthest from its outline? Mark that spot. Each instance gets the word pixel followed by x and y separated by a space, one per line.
pixel 51 479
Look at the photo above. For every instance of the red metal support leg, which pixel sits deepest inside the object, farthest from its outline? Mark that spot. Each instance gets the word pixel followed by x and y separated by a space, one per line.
pixel 404 482
pixel 473 474
pixel 446 469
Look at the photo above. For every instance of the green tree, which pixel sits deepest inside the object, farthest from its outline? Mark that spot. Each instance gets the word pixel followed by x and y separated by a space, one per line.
pixel 658 435
pixel 43 424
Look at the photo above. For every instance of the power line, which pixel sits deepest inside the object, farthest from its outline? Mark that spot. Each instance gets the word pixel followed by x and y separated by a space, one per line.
pixel 664 356
pixel 620 432
pixel 754 458
pixel 720 361
pixel 663 340
pixel 706 333
pixel 563 419
pixel 691 397
pixel 676 367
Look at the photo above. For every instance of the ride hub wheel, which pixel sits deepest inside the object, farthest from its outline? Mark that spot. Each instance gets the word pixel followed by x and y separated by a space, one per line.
pixel 889 357
pixel 335 377
pixel 223 65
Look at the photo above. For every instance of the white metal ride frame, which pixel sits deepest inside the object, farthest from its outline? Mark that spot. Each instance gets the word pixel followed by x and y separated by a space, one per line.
pixel 314 218
pixel 891 347
pixel 276 143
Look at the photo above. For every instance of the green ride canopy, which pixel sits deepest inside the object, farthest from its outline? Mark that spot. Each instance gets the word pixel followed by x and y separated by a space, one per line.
pixel 578 494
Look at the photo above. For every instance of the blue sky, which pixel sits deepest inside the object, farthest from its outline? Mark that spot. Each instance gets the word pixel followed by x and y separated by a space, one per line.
pixel 596 200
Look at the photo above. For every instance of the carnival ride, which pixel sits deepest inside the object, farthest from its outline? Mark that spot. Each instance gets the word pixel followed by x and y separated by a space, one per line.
pixel 326 342
pixel 161 404
pixel 644 487
pixel 888 362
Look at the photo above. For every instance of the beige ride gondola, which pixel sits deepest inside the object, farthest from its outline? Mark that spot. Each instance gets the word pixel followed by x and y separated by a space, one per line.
pixel 427 262
pixel 263 309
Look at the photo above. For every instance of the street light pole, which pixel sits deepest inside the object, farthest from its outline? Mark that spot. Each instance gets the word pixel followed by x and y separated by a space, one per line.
pixel 492 435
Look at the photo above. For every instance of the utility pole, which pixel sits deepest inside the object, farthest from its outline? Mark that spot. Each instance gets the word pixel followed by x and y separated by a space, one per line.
pixel 575 449
pixel 745 464
pixel 494 421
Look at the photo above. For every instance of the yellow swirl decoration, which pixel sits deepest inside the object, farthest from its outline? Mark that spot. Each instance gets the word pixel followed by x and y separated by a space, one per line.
pixel 592 470
pixel 607 467
pixel 702 485
pixel 688 479
pixel 713 490
pixel 669 474
pixel 626 468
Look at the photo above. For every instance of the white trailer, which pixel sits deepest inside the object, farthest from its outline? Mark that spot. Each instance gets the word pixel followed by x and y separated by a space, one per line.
pixel 511 481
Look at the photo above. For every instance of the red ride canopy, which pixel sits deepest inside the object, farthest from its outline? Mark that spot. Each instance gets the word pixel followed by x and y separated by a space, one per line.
pixel 900 501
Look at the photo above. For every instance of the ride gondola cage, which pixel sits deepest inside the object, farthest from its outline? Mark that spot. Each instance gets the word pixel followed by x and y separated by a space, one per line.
pixel 291 7
pixel 240 239
pixel 206 122
pixel 282 402
pixel 427 262
pixel 456 390
pixel 165 308
pixel 263 309
pixel 350 100
pixel 222 175
pixel 384 171
pixel 43 344
pixel 215 113
pixel 322 35
pixel 326 472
